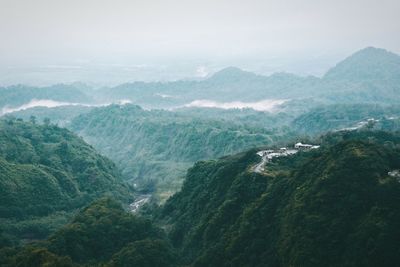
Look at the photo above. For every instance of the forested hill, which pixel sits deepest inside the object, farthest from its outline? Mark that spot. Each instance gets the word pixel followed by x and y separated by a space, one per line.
pixel 45 170
pixel 158 146
pixel 367 65
pixel 102 234
pixel 334 206
pixel 371 75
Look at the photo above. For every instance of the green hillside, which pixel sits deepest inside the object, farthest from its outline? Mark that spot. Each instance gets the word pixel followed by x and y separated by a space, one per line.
pixel 335 206
pixel 102 234
pixel 46 172
pixel 332 206
pixel 202 195
pixel 158 146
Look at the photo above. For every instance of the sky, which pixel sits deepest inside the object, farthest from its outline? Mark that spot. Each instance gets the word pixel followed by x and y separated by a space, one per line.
pixel 115 41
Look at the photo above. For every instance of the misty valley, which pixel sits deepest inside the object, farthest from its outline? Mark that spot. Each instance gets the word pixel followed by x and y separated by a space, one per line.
pixel 231 169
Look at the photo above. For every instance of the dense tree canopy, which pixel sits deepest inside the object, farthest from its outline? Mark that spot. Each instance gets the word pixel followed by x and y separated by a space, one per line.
pixel 336 206
pixel 160 145
pixel 102 234
pixel 46 171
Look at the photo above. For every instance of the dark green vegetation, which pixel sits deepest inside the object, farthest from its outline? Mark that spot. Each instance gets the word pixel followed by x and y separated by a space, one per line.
pixel 101 234
pixel 154 148
pixel 46 172
pixel 336 206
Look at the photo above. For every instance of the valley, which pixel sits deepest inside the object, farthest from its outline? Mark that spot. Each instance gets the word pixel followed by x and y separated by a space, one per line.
pixel 139 202
pixel 235 169
pixel 259 133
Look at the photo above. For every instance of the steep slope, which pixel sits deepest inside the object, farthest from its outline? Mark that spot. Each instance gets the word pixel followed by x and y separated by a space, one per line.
pixel 160 145
pixel 125 240
pixel 336 206
pixel 369 75
pixel 366 65
pixel 46 169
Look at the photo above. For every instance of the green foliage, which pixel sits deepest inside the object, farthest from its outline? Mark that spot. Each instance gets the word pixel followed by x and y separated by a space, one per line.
pixel 32 256
pixel 340 197
pixel 102 234
pixel 34 227
pixel 144 253
pixel 160 145
pixel 60 116
pixel 45 169
pixel 335 206
pixel 335 117
pixel 99 231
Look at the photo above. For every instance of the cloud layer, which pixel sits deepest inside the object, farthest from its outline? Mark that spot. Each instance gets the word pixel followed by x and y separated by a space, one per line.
pixel 263 105
pixel 48 103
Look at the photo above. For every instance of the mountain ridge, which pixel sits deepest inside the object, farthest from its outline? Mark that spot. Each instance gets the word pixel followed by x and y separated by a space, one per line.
pixel 46 173
pixel 366 65
pixel 334 206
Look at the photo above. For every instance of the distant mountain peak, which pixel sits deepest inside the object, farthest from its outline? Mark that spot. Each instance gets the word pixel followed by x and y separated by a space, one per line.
pixel 371 52
pixel 231 72
pixel 372 49
pixel 367 64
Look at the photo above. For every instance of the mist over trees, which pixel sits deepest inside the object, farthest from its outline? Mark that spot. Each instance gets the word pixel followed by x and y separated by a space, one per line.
pixel 164 173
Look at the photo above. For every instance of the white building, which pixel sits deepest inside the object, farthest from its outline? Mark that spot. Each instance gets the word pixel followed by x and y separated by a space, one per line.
pixel 304 146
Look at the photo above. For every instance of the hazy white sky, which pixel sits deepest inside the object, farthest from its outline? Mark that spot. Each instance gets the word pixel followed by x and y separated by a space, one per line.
pixel 93 36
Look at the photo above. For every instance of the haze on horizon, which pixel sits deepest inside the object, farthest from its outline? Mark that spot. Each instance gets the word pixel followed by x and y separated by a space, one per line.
pixel 110 42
